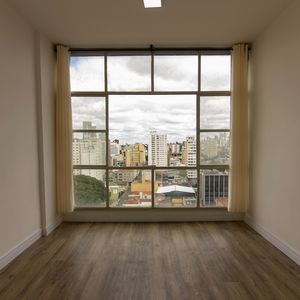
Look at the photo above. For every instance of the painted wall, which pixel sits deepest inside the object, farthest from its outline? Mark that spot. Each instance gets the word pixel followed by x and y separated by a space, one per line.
pixel 275 119
pixel 19 177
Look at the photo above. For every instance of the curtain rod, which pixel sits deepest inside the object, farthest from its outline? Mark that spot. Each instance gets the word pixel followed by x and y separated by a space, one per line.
pixel 152 48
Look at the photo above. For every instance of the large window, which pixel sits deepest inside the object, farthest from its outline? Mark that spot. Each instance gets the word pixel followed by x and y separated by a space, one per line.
pixel 151 130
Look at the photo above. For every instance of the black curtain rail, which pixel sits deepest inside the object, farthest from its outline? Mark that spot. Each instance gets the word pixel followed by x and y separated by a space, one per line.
pixel 151 48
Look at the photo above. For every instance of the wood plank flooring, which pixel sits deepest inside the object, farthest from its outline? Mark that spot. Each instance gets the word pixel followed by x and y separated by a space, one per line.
pixel 206 260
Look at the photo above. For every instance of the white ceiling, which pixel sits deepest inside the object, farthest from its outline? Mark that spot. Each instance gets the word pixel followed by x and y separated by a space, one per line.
pixel 126 23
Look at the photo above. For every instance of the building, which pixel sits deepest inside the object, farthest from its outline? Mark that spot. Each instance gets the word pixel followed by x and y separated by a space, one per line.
pixel 115 148
pixel 135 155
pixel 201 260
pixel 209 147
pixel 89 149
pixel 143 184
pixel 122 177
pixel 191 155
pixel 213 188
pixel 158 149
pixel 176 195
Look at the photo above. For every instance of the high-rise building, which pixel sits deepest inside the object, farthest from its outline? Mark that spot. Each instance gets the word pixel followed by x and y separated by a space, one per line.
pixel 175 148
pixel 191 155
pixel 184 154
pixel 158 149
pixel 89 149
pixel 209 147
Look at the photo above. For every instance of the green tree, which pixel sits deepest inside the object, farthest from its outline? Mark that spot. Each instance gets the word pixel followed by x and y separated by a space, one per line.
pixel 88 190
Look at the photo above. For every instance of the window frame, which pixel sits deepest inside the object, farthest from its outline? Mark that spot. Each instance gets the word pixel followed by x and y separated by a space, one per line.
pixel 198 94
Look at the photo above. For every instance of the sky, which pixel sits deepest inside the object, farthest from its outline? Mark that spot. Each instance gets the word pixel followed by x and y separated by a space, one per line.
pixel 131 117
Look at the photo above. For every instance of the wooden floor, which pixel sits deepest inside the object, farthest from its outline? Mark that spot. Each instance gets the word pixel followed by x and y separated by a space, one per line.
pixel 224 260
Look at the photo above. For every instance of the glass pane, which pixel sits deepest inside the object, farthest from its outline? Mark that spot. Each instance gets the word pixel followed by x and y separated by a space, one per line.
pixel 88 112
pixel 176 188
pixel 213 188
pixel 214 148
pixel 215 72
pixel 176 73
pixel 129 73
pixel 87 73
pixel 215 113
pixel 89 148
pixel 130 188
pixel 144 128
pixel 89 188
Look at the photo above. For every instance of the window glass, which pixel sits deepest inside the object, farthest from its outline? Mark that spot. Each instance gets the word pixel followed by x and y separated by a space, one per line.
pixel 89 188
pixel 87 73
pixel 155 130
pixel 175 188
pixel 215 112
pixel 130 188
pixel 215 72
pixel 214 148
pixel 89 148
pixel 176 73
pixel 129 73
pixel 213 188
pixel 88 113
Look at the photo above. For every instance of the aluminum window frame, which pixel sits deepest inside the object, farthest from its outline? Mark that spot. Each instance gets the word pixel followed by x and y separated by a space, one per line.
pixel 105 94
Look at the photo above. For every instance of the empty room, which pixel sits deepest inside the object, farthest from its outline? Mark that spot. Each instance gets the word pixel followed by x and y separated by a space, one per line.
pixel 150 149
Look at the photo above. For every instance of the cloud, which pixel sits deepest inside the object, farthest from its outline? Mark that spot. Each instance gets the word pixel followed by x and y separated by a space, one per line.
pixel 131 117
pixel 215 72
pixel 215 112
pixel 87 73
pixel 88 109
pixel 173 73
pixel 129 73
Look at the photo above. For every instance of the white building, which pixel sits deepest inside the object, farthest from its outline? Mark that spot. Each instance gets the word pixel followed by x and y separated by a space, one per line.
pixel 89 149
pixel 158 149
pixel 191 153
pixel 115 149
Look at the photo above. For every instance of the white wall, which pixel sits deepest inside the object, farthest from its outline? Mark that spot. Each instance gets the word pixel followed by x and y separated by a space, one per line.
pixel 275 199
pixel 19 177
pixel 27 132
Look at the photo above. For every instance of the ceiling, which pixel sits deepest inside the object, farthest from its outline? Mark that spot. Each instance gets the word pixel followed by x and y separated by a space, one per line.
pixel 126 23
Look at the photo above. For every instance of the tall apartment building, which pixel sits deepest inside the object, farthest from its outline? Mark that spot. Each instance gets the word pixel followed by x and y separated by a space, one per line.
pixel 158 149
pixel 191 155
pixel 175 148
pixel 209 146
pixel 89 149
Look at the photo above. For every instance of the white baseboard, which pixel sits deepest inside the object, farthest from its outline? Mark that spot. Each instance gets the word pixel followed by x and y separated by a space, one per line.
pixel 275 241
pixel 16 251
pixel 52 226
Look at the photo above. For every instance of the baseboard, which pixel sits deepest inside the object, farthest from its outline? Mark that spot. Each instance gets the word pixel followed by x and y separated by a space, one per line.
pixel 16 251
pixel 275 241
pixel 52 226
pixel 155 215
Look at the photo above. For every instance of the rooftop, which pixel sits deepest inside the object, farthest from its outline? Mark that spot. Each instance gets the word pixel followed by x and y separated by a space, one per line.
pixel 175 188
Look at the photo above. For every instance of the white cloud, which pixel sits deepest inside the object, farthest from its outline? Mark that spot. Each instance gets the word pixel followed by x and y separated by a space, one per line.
pixel 87 73
pixel 132 117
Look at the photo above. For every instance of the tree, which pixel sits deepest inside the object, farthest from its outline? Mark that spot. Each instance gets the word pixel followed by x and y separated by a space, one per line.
pixel 88 190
